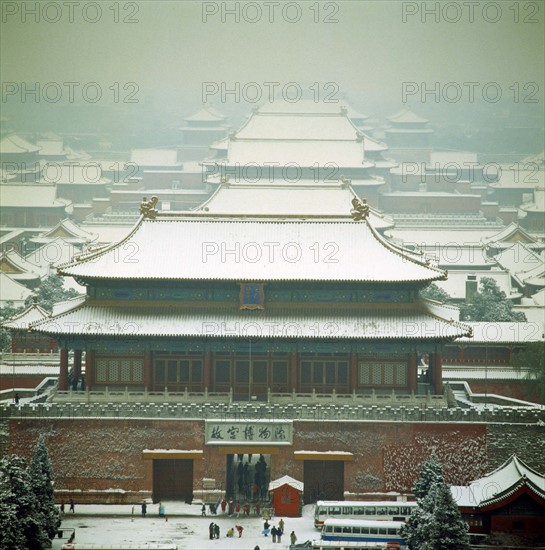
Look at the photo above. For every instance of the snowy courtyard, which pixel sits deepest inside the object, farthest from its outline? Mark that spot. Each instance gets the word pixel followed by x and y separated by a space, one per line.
pixel 184 526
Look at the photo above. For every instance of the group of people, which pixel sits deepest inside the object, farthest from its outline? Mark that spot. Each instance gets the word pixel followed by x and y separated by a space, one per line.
pixel 72 506
pixel 277 532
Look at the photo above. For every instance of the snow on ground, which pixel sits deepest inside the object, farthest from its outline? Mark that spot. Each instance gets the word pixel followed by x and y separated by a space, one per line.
pixel 115 524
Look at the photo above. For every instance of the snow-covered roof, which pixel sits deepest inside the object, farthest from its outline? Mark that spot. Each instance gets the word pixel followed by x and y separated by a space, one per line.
pixel 12 263
pixel 51 147
pixel 12 291
pixel 68 230
pixel 406 116
pixel 16 144
pixel 538 204
pixel 361 254
pixel 286 480
pixel 519 179
pixel 89 173
pixel 275 199
pixel 509 234
pixel 524 265
pixel 168 320
pixel 155 157
pixel 57 251
pixel 206 114
pixel 30 196
pixel 498 485
pixel 22 320
pixel 509 332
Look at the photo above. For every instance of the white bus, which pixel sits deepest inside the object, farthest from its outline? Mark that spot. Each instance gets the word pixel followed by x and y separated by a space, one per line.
pixel 363 530
pixel 353 545
pixel 362 509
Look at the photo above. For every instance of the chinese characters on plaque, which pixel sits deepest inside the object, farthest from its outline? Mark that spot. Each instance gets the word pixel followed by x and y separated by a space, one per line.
pixel 225 432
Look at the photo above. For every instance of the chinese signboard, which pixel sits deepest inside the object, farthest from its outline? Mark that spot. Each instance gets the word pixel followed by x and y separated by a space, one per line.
pixel 222 432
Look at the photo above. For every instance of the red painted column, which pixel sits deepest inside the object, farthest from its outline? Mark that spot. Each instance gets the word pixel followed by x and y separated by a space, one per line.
pixel 438 374
pixel 207 373
pixel 148 370
pixel 76 372
pixel 353 380
pixel 294 379
pixel 412 374
pixel 63 374
pixel 89 367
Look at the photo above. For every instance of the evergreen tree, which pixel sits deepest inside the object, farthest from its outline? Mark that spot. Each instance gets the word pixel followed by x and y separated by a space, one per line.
pixel 431 473
pixel 444 528
pixel 51 291
pixel 41 481
pixel 433 292
pixel 490 303
pixel 21 527
pixel 436 524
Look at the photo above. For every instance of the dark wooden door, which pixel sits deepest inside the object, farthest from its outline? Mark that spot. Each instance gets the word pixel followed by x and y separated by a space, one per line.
pixel 173 480
pixel 324 480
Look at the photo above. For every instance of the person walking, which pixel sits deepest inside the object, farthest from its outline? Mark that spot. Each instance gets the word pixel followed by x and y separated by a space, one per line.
pixel 144 509
pixel 239 528
pixel 203 510
pixel 274 532
pixel 237 508
pixel 72 506
pixel 216 530
pixel 281 525
pixel 265 528
pixel 293 538
pixel 211 530
pixel 223 505
pixel 161 510
pixel 279 534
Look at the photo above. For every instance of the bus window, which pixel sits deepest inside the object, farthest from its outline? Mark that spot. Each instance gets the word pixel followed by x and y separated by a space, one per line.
pixel 382 511
pixel 394 510
pixel 356 530
pixel 347 529
pixel 359 510
pixel 365 530
pixel 328 529
pixel 337 529
pixel 370 511
pixel 335 511
pixel 405 511
pixel 347 510
pixel 382 530
pixel 373 530
pixel 392 531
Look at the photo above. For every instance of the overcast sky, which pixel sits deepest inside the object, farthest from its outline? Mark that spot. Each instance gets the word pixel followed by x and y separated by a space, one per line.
pixel 369 49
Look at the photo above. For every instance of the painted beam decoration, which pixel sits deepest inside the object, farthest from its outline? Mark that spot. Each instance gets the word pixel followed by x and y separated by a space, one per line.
pixel 251 432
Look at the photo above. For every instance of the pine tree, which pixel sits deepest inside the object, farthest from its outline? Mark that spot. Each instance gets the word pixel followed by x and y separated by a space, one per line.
pixel 444 529
pixel 436 524
pixel 21 526
pixel 431 473
pixel 41 481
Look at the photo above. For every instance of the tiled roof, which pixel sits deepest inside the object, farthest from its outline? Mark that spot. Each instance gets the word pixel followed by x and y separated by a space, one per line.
pixel 30 315
pixel 16 144
pixel 30 196
pixel 273 199
pixel 199 248
pixel 229 322
pixel 499 484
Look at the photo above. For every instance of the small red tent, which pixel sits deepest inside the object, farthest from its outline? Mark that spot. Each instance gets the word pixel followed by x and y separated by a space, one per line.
pixel 286 495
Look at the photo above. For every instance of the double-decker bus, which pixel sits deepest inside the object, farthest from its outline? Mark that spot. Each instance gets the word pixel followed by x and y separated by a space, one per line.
pixel 362 509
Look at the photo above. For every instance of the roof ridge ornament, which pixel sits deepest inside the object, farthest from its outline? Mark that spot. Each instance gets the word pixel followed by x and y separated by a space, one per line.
pixel 360 210
pixel 147 208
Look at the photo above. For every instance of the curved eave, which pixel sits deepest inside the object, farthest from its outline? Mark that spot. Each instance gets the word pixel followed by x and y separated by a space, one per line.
pixel 523 486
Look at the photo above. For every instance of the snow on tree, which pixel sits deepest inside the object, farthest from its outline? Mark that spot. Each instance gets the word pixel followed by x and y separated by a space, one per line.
pixel 431 473
pixel 41 481
pixel 443 528
pixel 436 524
pixel 20 522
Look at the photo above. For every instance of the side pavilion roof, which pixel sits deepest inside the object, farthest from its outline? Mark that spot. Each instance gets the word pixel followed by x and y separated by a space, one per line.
pixel 187 247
